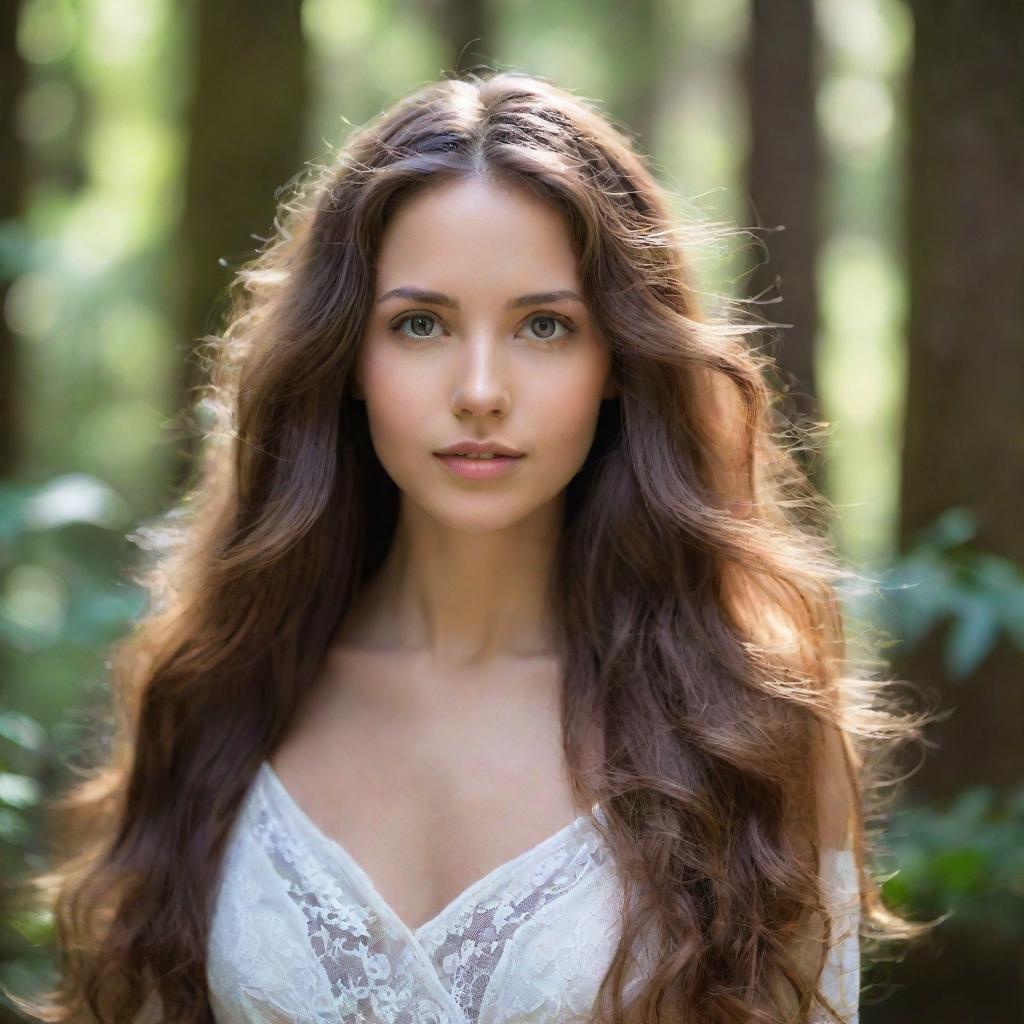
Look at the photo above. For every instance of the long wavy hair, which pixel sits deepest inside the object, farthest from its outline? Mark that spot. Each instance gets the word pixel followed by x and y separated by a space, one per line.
pixel 698 595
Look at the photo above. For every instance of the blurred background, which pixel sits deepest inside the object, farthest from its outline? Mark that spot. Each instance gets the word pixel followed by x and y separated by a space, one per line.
pixel 873 151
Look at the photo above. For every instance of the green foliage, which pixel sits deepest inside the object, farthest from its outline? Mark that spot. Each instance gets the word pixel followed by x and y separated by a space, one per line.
pixel 56 553
pixel 17 253
pixel 25 932
pixel 22 736
pixel 965 861
pixel 944 579
pixel 60 604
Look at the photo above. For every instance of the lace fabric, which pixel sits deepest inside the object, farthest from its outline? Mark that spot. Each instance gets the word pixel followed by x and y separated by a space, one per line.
pixel 299 933
pixel 840 979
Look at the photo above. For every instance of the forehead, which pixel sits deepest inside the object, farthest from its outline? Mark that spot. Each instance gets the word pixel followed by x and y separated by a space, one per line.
pixel 477 232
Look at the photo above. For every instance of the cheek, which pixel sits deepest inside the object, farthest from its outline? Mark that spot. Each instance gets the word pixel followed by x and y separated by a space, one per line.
pixel 396 403
pixel 563 411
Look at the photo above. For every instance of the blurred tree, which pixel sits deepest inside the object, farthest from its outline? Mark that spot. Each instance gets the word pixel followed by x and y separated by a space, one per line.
pixel 245 129
pixel 782 178
pixel 467 29
pixel 12 187
pixel 12 192
pixel 964 441
pixel 644 34
pixel 964 430
pixel 470 30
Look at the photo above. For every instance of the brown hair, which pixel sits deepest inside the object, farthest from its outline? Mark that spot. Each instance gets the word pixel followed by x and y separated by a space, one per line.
pixel 697 593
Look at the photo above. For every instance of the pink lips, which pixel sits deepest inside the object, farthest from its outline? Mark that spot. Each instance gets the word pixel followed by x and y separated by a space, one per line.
pixel 480 469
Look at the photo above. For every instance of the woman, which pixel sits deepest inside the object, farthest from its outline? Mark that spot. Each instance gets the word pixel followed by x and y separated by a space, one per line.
pixel 494 670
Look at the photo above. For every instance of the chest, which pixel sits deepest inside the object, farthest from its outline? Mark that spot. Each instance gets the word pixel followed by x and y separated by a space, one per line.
pixel 299 933
pixel 429 783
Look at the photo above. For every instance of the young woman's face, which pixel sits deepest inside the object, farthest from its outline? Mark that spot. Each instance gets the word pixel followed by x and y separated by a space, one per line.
pixel 486 357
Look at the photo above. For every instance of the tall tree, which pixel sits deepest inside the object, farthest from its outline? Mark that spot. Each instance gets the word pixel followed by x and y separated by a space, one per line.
pixel 12 193
pixel 246 128
pixel 782 178
pixel 964 431
pixel 641 31
pixel 467 29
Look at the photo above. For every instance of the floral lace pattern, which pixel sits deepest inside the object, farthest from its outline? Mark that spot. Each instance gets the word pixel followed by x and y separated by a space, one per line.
pixel 840 979
pixel 299 934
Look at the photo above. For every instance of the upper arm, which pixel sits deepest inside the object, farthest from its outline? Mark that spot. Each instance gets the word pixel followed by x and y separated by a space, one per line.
pixel 835 802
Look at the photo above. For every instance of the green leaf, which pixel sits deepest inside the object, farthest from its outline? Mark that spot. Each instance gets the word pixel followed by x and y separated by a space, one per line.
pixel 14 829
pixel 952 528
pixel 35 925
pixel 26 732
pixel 961 870
pixel 19 790
pixel 972 636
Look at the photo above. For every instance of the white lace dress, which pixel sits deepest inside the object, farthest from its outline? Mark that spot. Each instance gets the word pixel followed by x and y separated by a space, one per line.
pixel 299 934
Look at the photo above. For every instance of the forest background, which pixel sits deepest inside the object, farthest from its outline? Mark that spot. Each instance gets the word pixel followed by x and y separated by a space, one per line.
pixel 870 155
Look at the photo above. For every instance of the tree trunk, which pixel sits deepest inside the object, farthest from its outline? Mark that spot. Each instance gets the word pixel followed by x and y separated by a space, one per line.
pixel 642 33
pixel 467 29
pixel 964 434
pixel 964 431
pixel 12 195
pixel 782 177
pixel 246 139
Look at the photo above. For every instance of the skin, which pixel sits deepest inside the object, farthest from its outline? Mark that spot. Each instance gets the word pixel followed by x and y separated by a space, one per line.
pixel 441 690
pixel 440 694
pixel 463 582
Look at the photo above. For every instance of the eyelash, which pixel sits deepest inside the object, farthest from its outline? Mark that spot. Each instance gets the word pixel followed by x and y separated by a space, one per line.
pixel 570 327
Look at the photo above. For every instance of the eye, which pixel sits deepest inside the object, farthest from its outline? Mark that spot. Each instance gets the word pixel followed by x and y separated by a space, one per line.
pixel 417 319
pixel 550 323
pixel 421 323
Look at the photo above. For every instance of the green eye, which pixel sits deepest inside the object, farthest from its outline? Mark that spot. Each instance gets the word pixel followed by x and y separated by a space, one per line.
pixel 555 323
pixel 423 321
pixel 416 318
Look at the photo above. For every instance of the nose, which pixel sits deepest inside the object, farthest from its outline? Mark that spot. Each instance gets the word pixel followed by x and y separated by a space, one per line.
pixel 481 386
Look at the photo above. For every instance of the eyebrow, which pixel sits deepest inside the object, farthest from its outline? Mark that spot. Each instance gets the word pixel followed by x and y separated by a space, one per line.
pixel 440 299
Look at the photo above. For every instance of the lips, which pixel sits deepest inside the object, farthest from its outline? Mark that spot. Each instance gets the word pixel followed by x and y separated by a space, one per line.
pixel 478 469
pixel 470 447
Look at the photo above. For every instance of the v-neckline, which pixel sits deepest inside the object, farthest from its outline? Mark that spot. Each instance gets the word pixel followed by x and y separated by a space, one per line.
pixel 460 899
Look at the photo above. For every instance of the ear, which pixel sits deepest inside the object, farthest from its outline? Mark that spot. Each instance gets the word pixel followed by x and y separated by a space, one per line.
pixel 355 388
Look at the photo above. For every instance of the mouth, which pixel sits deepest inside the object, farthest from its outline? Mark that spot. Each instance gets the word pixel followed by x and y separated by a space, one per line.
pixel 480 466
pixel 468 448
pixel 478 455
